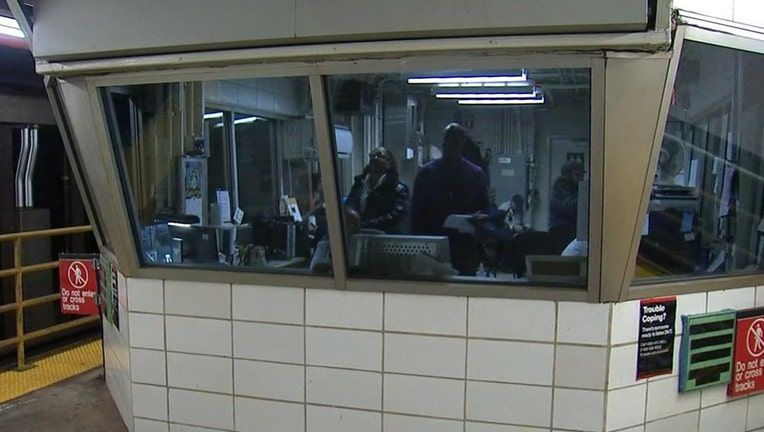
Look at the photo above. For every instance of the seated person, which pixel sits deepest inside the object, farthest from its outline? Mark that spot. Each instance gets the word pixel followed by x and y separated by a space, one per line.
pixel 450 185
pixel 503 223
pixel 378 198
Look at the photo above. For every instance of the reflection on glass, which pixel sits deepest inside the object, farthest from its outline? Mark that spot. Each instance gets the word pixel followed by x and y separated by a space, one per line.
pixel 705 211
pixel 479 176
pixel 222 174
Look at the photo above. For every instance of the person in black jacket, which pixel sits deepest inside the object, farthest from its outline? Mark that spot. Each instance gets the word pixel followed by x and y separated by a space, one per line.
pixel 378 198
pixel 563 205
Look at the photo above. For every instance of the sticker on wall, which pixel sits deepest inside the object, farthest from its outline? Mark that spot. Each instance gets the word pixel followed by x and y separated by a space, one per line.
pixel 655 350
pixel 705 358
pixel 749 353
pixel 109 291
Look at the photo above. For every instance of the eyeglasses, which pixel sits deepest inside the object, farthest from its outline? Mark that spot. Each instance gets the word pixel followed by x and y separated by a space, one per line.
pixel 377 156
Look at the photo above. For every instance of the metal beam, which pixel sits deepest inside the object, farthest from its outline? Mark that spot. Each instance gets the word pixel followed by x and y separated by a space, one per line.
pixel 17 9
pixel 25 109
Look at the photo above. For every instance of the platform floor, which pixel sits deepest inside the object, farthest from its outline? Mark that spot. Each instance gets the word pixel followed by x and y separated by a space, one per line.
pixel 78 404
pixel 51 368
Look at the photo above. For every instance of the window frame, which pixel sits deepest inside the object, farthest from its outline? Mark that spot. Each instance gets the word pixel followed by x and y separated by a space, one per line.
pixel 316 72
pixel 707 32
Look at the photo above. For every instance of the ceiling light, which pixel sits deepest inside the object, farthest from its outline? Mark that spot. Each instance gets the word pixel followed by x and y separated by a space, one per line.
pixel 248 120
pixel 501 101
pixel 469 80
pixel 213 115
pixel 486 95
pixel 9 26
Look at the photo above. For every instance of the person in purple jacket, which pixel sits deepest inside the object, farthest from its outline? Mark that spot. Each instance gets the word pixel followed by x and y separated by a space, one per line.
pixel 450 185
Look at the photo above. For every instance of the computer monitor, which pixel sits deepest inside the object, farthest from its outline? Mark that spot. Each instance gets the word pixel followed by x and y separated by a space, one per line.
pixel 198 244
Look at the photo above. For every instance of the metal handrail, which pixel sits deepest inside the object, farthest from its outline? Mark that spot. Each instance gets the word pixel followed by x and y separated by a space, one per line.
pixel 19 304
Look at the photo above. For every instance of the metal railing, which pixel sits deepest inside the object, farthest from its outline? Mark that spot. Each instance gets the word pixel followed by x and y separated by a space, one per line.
pixel 19 304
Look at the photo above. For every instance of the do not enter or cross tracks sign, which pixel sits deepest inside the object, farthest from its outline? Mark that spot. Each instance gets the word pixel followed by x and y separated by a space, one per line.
pixel 78 281
pixel 749 353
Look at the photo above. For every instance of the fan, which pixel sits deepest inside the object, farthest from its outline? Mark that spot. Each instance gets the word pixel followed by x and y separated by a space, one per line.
pixel 671 160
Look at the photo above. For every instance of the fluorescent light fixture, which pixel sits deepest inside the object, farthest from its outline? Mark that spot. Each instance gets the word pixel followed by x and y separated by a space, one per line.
pixel 213 115
pixel 248 120
pixel 179 225
pixel 501 101
pixel 468 80
pixel 9 26
pixel 487 95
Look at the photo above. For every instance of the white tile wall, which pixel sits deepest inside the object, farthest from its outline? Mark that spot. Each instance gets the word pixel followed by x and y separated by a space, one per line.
pixel 626 407
pixel 343 348
pixel 623 366
pixel 728 417
pixel 253 414
pixel 198 335
pixel 740 298
pixel 425 355
pixel 512 319
pixel 402 423
pixel 755 412
pixel 147 366
pixel 145 295
pixel 678 423
pixel 760 296
pixel 272 342
pixel 515 362
pixel 329 419
pixel 344 388
pixel 147 330
pixel 664 400
pixel 748 12
pixel 713 396
pixel 265 303
pixel 174 427
pixel 436 397
pixel 580 410
pixel 717 8
pixel 150 402
pixel 347 309
pixel 584 323
pixel 580 367
pixel 269 380
pixel 689 304
pixel 198 372
pixel 509 403
pixel 145 425
pixel 625 322
pixel 202 409
pixel 198 299
pixel 488 427
pixel 426 314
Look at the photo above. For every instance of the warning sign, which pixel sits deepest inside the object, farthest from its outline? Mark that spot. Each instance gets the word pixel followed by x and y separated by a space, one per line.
pixel 655 355
pixel 749 353
pixel 79 285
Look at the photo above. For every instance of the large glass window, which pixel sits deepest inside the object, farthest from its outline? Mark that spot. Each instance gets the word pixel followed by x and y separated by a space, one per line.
pixel 707 199
pixel 222 174
pixel 465 175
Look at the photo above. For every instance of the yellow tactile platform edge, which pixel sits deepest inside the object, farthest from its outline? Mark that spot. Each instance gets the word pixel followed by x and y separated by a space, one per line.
pixel 50 369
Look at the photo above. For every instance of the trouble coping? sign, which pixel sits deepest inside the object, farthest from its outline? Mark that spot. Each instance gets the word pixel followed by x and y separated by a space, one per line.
pixel 78 281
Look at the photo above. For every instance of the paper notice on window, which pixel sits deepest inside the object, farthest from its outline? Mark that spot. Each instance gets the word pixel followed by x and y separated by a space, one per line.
pixel 224 205
pixel 194 207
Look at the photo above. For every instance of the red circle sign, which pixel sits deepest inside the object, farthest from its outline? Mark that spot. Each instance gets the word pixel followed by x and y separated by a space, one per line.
pixel 78 275
pixel 755 338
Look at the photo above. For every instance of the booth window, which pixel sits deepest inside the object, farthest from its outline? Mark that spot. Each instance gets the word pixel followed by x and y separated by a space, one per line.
pixel 707 199
pixel 473 176
pixel 221 174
